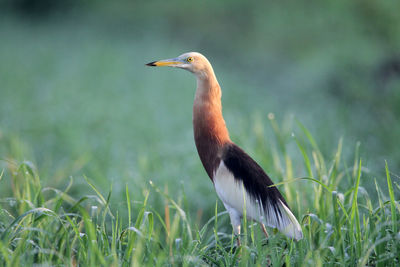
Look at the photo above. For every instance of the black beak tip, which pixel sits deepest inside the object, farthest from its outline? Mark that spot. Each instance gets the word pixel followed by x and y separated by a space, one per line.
pixel 151 64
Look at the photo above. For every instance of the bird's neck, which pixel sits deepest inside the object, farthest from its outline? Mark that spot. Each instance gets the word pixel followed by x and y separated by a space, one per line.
pixel 210 132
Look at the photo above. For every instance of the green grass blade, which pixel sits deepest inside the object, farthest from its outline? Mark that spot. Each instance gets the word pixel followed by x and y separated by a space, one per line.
pixel 392 200
pixel 128 203
pixel 305 157
pixel 103 200
pixel 354 217
pixel 303 178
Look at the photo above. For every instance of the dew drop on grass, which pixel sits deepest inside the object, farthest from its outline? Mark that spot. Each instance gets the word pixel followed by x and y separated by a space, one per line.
pixel 332 249
pixel 328 227
pixel 178 242
pixel 94 210
pixel 341 197
pixel 12 202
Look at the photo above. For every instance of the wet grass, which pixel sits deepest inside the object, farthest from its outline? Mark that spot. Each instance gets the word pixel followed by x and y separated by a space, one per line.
pixel 342 224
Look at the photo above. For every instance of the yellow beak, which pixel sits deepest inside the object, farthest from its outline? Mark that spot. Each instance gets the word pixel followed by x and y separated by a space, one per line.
pixel 165 62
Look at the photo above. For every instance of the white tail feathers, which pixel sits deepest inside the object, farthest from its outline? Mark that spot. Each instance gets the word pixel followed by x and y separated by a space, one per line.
pixel 283 219
pixel 291 226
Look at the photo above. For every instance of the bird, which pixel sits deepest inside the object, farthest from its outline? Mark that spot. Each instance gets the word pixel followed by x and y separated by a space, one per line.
pixel 241 184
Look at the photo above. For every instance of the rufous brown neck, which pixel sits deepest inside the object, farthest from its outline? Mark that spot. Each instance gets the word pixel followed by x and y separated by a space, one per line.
pixel 210 132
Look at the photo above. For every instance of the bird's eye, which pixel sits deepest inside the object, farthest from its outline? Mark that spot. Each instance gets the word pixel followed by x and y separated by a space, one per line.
pixel 189 59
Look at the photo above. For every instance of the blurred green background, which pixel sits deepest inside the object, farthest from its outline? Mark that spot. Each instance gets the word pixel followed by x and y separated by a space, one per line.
pixel 76 98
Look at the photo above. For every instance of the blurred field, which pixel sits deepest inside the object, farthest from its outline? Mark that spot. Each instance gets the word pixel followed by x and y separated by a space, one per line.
pixel 75 92
pixel 76 98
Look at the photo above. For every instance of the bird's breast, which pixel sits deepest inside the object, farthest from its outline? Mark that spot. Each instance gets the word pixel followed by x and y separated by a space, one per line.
pixel 210 134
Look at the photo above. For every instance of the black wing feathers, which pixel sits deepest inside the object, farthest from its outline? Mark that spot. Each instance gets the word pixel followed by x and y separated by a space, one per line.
pixel 255 180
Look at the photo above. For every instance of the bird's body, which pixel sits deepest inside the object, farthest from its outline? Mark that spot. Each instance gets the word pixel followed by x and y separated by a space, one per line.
pixel 240 183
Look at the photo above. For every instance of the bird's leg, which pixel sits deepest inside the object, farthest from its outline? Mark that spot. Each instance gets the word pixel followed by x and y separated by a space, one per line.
pixel 235 221
pixel 237 234
pixel 236 228
pixel 267 236
pixel 264 230
pixel 238 241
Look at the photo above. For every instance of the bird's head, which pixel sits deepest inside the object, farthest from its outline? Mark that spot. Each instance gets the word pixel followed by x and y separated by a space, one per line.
pixel 192 61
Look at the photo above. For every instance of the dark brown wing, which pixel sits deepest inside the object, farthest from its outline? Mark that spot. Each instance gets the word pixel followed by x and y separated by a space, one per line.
pixel 256 182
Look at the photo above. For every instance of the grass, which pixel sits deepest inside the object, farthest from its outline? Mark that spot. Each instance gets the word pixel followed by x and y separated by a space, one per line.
pixel 342 223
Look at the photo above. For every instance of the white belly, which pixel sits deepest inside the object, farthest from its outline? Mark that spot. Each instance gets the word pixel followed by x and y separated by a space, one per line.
pixel 234 196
